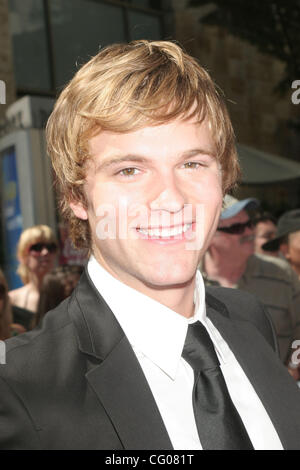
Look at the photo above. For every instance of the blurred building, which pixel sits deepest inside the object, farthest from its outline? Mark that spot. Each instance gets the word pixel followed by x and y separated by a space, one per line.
pixel 262 119
pixel 43 42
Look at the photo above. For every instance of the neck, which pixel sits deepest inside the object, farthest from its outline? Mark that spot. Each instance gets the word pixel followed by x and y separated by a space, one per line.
pixel 179 297
pixel 35 282
pixel 225 269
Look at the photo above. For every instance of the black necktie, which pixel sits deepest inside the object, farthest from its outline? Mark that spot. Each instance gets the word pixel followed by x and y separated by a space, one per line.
pixel 218 422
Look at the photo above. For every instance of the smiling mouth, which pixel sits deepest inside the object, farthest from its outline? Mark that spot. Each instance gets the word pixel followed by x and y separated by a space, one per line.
pixel 166 232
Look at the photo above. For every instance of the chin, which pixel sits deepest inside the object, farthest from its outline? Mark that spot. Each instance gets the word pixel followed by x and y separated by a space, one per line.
pixel 170 277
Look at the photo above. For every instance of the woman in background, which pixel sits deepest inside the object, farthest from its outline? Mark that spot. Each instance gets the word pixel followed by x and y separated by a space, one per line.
pixel 36 253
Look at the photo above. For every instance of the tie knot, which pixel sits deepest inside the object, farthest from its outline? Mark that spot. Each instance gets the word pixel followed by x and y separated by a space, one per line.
pixel 199 351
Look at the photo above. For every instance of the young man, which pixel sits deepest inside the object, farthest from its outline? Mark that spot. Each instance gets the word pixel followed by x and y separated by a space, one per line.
pixel 140 357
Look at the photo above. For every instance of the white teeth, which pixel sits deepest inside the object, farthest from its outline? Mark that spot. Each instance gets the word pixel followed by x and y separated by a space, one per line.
pixel 165 232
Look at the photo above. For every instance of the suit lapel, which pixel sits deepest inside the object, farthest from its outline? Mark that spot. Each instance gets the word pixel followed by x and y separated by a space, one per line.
pixel 116 376
pixel 123 391
pixel 264 370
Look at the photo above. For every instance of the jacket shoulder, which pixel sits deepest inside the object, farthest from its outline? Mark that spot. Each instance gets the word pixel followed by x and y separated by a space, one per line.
pixel 43 345
pixel 271 267
pixel 243 306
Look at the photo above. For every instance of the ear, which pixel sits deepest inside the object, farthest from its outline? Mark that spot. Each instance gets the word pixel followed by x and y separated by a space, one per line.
pixel 284 248
pixel 79 210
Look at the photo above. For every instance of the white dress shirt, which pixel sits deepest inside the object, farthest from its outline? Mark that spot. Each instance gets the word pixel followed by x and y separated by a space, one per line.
pixel 157 335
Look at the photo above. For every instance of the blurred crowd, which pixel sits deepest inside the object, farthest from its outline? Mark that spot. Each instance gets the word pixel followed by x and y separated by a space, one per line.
pixel 45 284
pixel 251 250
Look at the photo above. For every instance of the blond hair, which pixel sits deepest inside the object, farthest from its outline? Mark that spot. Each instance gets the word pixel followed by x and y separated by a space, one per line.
pixel 30 236
pixel 123 88
pixel 5 311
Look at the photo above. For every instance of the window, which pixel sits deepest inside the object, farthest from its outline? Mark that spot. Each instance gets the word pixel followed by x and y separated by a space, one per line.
pixel 52 38
pixel 29 39
pixel 79 29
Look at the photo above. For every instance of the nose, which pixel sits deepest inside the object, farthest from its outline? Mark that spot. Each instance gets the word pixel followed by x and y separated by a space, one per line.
pixel 169 199
pixel 45 251
pixel 250 230
pixel 248 235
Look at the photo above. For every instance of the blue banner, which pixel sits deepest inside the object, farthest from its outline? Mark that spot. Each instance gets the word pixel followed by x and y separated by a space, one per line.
pixel 11 215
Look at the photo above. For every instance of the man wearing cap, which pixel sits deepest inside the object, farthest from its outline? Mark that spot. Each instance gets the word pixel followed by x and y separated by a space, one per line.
pixel 287 239
pixel 230 262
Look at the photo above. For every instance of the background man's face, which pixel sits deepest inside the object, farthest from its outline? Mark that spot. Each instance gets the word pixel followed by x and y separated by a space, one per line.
pixel 291 250
pixel 264 232
pixel 239 246
pixel 160 169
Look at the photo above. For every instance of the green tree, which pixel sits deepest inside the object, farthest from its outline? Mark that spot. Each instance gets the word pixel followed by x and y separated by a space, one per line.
pixel 273 26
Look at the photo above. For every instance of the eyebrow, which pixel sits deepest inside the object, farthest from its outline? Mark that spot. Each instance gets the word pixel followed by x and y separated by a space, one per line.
pixel 115 160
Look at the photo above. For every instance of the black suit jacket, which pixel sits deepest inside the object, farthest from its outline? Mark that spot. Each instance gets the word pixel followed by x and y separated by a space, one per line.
pixel 75 383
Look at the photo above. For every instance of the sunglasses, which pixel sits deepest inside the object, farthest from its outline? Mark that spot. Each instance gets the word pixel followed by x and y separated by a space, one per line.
pixel 2 291
pixel 38 247
pixel 236 229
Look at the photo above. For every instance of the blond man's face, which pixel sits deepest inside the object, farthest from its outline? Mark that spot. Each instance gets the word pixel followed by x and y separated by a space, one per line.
pixel 154 199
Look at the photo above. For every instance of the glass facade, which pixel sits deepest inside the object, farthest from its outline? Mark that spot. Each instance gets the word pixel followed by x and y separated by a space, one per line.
pixel 76 36
pixel 52 38
pixel 142 26
pixel 31 64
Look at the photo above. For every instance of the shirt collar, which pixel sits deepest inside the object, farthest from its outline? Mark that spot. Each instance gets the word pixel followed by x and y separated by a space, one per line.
pixel 152 329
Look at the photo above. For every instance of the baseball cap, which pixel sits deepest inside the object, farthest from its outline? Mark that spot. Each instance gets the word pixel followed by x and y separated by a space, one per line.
pixel 232 206
pixel 289 222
